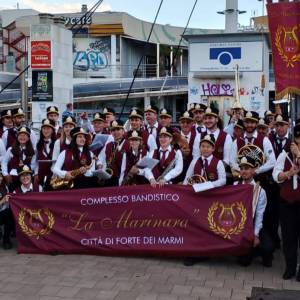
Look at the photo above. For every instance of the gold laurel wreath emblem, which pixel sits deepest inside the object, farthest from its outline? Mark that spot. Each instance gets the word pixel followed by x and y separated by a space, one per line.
pixel 222 231
pixel 289 60
pixel 30 232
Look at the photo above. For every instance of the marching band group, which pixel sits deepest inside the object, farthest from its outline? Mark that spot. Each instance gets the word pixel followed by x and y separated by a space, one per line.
pixel 264 152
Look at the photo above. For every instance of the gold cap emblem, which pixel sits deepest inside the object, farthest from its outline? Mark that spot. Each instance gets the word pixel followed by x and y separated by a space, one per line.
pixel 69 119
pixel 192 105
pixel 244 160
pixel 208 110
pixel 46 122
pixel 9 112
pixel 20 111
pixel 249 114
pixel 134 112
pixel 208 138
pixel 148 107
pixel 52 108
pixel 105 111
pixel 261 122
pixel 97 116
pixel 279 118
pixel 82 130
pixel 164 111
pixel 269 113
pixel 163 130
pixel 25 168
pixel 134 134
pixel 114 124
pixel 186 114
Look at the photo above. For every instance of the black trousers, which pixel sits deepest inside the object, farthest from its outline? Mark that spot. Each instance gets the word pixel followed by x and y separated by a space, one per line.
pixel 271 215
pixel 290 228
pixel 264 249
pixel 7 220
pixel 83 182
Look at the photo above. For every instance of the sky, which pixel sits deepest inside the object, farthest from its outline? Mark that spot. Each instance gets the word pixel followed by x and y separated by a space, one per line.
pixel 173 12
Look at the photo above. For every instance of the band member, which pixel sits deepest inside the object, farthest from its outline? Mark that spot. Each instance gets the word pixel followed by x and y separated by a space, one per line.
pixel 262 127
pixel 6 216
pixel 263 245
pixel 20 154
pixel 45 147
pixel 53 115
pixel 136 121
pixel 9 136
pixel 197 110
pixel 223 140
pixel 77 163
pixel 238 129
pixel 26 182
pixel 109 116
pixel 151 113
pixel 130 173
pixel 235 114
pixel 65 139
pixel 286 172
pixel 251 136
pixel 98 123
pixel 6 121
pixel 269 119
pixel 170 161
pixel 110 158
pixel 280 140
pixel 207 165
pixel 165 120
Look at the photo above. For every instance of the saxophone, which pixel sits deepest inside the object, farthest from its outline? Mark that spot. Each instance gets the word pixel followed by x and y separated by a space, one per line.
pixel 60 183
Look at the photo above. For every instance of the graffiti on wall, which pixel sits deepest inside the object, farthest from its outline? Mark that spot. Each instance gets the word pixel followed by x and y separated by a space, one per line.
pixel 224 89
pixel 91 54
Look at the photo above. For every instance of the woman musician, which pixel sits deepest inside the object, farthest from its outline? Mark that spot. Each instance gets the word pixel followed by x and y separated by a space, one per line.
pixel 65 139
pixel 76 163
pixel 130 173
pixel 286 172
pixel 207 165
pixel 20 154
pixel 45 147
pixel 170 161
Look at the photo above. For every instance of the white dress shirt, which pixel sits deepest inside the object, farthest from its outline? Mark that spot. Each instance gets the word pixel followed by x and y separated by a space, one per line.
pixel 154 130
pixel 196 145
pixel 260 209
pixel 57 169
pixel 25 190
pixel 220 170
pixel 6 159
pixel 227 145
pixel 56 148
pixel 270 159
pixel 279 166
pixel 177 169
pixel 2 150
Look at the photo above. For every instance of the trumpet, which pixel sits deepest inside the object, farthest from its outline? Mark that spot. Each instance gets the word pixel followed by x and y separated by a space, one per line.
pixel 195 179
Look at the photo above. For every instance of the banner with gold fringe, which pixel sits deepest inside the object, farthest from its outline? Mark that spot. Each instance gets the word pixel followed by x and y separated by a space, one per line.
pixel 284 27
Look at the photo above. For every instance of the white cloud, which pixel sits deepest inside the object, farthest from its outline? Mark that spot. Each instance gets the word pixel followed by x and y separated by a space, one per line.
pixel 57 7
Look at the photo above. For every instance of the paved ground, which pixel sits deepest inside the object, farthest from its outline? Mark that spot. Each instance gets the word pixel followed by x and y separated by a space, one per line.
pixel 30 277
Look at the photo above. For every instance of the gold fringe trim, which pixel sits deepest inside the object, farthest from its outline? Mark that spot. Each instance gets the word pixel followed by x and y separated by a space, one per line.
pixel 286 91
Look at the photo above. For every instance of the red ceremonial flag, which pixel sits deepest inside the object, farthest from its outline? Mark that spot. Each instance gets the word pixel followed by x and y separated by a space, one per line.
pixel 138 220
pixel 284 26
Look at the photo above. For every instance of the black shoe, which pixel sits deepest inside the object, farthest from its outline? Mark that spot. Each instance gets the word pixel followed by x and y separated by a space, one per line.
pixel 189 261
pixel 7 245
pixel 288 274
pixel 298 275
pixel 244 261
pixel 267 262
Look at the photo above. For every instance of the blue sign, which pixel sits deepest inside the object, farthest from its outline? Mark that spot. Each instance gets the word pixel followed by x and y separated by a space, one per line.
pixel 225 55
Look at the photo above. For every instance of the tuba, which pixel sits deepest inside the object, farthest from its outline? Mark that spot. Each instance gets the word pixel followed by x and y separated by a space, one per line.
pixel 254 152
pixel 195 179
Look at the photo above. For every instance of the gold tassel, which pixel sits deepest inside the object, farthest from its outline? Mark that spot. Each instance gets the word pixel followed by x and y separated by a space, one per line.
pixel 262 82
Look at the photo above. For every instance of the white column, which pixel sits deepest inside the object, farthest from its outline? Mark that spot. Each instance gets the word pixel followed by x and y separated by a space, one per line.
pixel 147 101
pixel 113 55
pixel 174 108
pixel 171 60
pixel 157 59
pixel 181 62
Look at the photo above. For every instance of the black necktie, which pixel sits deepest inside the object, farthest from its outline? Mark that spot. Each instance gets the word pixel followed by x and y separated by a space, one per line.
pixel 280 144
pixel 248 140
pixel 199 129
pixel 163 157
